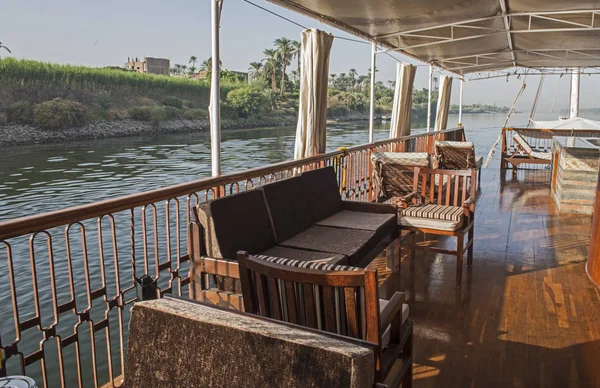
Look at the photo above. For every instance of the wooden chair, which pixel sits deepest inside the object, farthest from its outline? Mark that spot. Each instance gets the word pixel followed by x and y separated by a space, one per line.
pixel 457 155
pixel 447 211
pixel 334 298
pixel 530 156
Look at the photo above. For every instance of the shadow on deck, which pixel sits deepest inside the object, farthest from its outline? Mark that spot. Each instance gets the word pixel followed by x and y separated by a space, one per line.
pixel 526 313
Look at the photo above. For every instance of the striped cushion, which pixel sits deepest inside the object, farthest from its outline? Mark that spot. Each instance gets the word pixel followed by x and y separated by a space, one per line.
pixel 308 264
pixel 436 212
pixel 522 143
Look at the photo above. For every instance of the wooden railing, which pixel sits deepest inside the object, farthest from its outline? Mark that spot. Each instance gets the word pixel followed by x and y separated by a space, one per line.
pixel 67 278
pixel 539 139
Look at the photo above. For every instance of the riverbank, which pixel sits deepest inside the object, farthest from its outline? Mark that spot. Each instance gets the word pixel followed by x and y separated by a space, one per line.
pixel 15 134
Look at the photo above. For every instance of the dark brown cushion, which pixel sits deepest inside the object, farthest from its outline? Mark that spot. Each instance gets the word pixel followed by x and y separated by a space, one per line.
pixel 236 222
pixel 303 255
pixel 290 211
pixel 354 243
pixel 361 220
pixel 322 192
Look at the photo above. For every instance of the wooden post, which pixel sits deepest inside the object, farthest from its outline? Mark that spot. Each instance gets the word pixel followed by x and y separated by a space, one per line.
pixel 593 264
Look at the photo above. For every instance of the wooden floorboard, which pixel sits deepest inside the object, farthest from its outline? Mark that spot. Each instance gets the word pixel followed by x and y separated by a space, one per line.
pixel 525 315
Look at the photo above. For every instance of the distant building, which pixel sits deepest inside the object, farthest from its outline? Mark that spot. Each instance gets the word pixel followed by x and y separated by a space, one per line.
pixel 149 65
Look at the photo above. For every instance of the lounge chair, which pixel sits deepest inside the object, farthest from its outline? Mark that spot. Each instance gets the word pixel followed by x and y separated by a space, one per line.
pixel 531 156
pixel 457 155
pixel 334 298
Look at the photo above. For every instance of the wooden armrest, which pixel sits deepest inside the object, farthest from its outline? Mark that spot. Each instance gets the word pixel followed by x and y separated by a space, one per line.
pixel 415 197
pixel 470 201
pixel 391 309
pixel 369 207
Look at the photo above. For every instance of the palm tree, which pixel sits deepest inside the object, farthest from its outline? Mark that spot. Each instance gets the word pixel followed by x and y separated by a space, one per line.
pixel 4 47
pixel 193 60
pixel 254 69
pixel 271 65
pixel 192 70
pixel 332 78
pixel 285 52
pixel 206 66
pixel 183 69
pixel 297 51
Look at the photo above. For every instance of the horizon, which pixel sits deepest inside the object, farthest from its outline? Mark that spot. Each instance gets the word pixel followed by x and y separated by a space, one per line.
pixel 95 35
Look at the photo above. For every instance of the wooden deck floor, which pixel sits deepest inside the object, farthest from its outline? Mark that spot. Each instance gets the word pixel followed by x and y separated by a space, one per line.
pixel 525 315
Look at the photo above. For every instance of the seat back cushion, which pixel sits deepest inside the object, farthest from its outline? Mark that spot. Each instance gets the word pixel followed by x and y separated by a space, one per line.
pixel 322 192
pixel 522 143
pixel 290 211
pixel 236 222
pixel 455 155
pixel 394 171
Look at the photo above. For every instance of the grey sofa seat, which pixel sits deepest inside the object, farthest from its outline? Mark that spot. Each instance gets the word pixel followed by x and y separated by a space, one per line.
pixel 353 243
pixel 350 219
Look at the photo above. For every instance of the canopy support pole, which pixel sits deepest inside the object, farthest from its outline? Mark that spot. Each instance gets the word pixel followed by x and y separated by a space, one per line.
pixel 429 97
pixel 460 102
pixel 372 102
pixel 215 91
pixel 574 108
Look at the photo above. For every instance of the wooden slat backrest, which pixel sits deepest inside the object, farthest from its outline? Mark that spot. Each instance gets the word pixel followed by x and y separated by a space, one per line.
pixel 341 302
pixel 446 187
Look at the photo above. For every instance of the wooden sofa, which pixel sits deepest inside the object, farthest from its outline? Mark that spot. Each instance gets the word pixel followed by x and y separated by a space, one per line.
pixel 301 218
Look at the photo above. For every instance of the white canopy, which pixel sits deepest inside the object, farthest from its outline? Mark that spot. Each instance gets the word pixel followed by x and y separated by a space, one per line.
pixel 311 138
pixel 467 36
pixel 576 123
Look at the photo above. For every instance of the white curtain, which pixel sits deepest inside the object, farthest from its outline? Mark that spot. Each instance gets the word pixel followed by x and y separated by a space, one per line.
pixel 443 104
pixel 401 112
pixel 312 111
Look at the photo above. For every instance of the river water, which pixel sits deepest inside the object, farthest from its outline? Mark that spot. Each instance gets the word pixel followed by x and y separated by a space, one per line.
pixel 42 178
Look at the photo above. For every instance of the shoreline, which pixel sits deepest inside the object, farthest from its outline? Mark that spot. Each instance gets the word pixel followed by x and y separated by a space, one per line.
pixel 15 134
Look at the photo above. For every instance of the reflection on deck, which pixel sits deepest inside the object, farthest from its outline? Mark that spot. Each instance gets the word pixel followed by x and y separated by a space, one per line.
pixel 526 314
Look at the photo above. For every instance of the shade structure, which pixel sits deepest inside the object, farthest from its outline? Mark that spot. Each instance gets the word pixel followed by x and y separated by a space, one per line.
pixel 576 123
pixel 470 36
pixel 402 110
pixel 443 104
pixel 312 110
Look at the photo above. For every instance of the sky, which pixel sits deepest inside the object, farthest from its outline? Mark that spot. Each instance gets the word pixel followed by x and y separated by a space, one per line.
pixel 107 32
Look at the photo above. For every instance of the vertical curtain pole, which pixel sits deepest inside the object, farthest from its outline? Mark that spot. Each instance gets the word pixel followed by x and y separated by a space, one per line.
pixel 574 108
pixel 429 97
pixel 460 101
pixel 372 107
pixel 215 92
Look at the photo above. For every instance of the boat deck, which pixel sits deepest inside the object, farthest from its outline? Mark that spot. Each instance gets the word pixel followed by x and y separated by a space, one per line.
pixel 526 313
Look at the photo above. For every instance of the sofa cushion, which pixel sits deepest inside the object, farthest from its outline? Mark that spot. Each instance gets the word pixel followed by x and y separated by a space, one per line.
pixel 236 222
pixel 354 243
pixel 385 222
pixel 290 210
pixel 322 192
pixel 300 255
